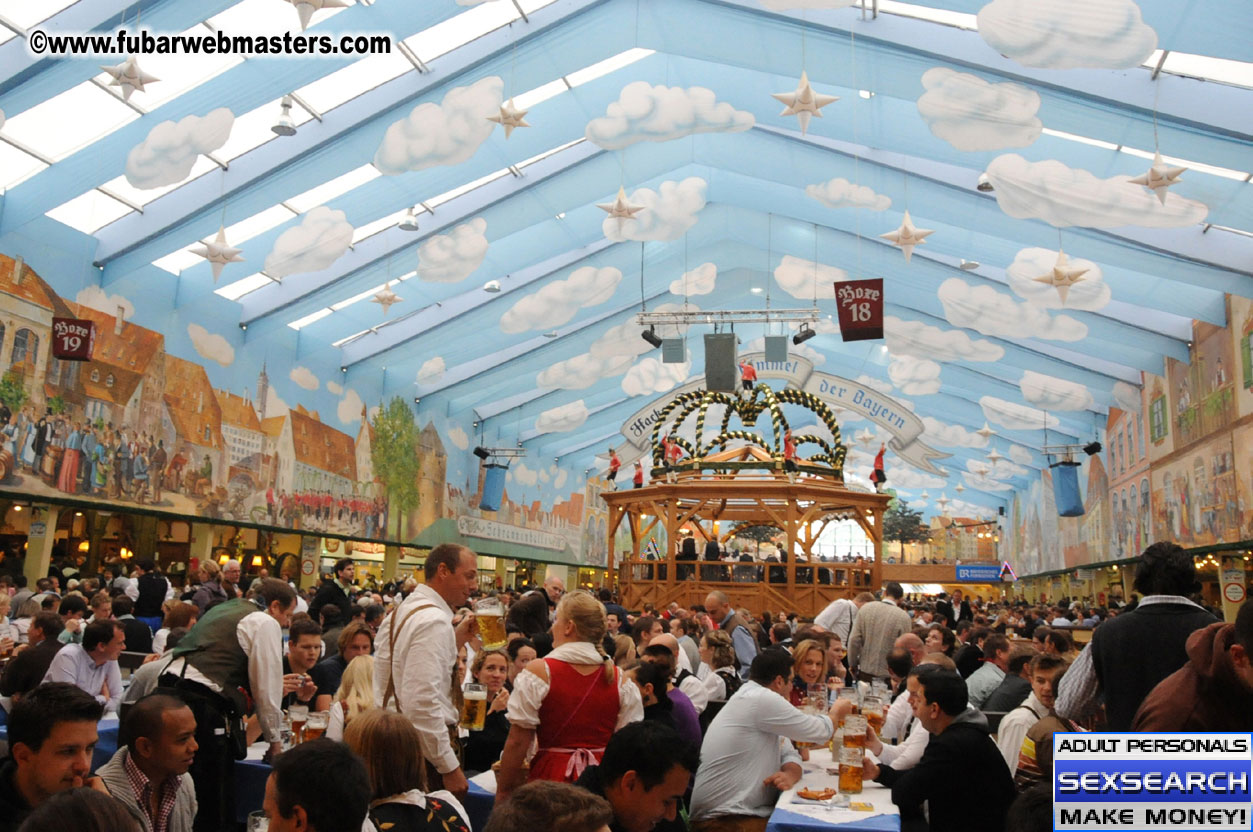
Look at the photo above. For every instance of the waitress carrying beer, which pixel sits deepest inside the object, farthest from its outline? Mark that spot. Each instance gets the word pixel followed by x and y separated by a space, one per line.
pixel 571 701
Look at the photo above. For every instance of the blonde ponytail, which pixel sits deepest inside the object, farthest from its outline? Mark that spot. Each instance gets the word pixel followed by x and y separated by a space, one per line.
pixel 588 616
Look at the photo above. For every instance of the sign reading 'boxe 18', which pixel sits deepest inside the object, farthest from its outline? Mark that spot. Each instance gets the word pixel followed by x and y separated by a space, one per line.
pixel 860 304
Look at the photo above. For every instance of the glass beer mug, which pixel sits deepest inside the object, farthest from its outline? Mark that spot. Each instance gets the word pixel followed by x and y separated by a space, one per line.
pixel 316 726
pixel 855 731
pixel 850 770
pixel 872 707
pixel 474 708
pixel 490 614
pixel 299 715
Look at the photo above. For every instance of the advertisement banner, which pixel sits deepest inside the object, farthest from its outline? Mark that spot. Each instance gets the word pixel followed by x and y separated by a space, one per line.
pixel 979 572
pixel 73 339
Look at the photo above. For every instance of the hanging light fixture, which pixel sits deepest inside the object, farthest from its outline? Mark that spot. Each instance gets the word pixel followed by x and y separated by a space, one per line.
pixel 285 126
pixel 410 221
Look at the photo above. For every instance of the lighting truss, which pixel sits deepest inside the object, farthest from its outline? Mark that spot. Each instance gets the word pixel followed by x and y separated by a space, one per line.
pixel 728 316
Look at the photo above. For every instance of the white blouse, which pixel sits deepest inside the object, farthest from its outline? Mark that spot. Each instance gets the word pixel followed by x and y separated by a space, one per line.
pixel 529 690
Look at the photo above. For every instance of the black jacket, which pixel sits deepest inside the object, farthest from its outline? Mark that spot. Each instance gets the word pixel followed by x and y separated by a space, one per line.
pixel 968 659
pixel 1009 694
pixel 13 808
pixel 28 668
pixel 961 777
pixel 1126 670
pixel 330 593
pixel 138 635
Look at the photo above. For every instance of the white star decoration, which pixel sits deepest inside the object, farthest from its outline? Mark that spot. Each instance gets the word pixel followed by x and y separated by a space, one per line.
pixel 1159 177
pixel 510 117
pixel 943 502
pixel 960 488
pixel 994 457
pixel 986 431
pixel 804 102
pixel 129 77
pixel 218 253
pixel 385 297
pixel 864 436
pixel 306 8
pixel 1062 277
pixel 980 469
pixel 620 209
pixel 926 495
pixel 907 236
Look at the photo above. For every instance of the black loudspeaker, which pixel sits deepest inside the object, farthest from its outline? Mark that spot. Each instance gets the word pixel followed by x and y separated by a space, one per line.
pixel 720 368
pixel 1001 510
pixel 776 349
pixel 493 487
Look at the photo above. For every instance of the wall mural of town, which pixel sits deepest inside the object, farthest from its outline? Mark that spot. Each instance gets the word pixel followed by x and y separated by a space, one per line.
pixel 1171 464
pixel 194 433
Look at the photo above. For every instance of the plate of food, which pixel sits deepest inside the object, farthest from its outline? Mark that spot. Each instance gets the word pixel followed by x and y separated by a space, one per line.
pixel 815 796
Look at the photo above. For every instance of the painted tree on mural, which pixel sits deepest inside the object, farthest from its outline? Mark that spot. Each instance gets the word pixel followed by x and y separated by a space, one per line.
pixel 394 454
pixel 903 524
pixel 12 391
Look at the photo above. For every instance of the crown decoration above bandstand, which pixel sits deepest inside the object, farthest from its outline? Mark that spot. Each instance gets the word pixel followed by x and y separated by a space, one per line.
pixel 760 454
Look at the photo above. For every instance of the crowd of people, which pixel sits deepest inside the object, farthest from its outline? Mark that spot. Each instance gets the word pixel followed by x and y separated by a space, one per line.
pixel 593 717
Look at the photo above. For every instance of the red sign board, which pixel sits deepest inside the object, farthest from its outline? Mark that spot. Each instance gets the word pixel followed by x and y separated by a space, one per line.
pixel 72 339
pixel 860 304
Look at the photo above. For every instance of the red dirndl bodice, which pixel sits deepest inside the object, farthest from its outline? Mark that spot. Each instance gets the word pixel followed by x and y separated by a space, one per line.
pixel 576 720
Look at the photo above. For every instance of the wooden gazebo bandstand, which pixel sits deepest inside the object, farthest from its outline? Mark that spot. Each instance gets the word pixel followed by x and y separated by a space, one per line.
pixel 714 489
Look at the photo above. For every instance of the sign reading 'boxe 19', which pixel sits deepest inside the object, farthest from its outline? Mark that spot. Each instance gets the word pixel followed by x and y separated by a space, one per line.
pixel 1125 781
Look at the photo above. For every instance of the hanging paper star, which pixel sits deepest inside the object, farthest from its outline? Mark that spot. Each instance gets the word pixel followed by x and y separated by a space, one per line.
pixel 385 297
pixel 907 236
pixel 510 117
pixel 306 8
pixel 218 253
pixel 129 77
pixel 864 437
pixel 943 502
pixel 995 457
pixel 980 469
pixel 804 102
pixel 1062 277
pixel 960 488
pixel 620 209
pixel 986 431
pixel 926 495
pixel 1159 177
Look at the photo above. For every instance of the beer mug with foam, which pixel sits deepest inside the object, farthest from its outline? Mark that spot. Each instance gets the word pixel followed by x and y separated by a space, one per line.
pixel 490 614
pixel 474 707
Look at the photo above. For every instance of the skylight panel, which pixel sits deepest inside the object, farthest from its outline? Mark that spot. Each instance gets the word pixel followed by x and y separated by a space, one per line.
pixel 16 165
pixel 960 20
pixel 360 76
pixel 457 31
pixel 236 290
pixel 259 17
pixel 1081 139
pixel 121 187
pixel 1199 167
pixel 530 98
pixel 6 34
pixel 1223 70
pixel 178 73
pixel 338 186
pixel 252 129
pixel 529 6
pixel 435 202
pixel 352 337
pixel 607 66
pixel 372 228
pixel 548 153
pixel 259 223
pixel 92 111
pixel 178 261
pixel 89 212
pixel 26 14
pixel 313 317
pixel 360 296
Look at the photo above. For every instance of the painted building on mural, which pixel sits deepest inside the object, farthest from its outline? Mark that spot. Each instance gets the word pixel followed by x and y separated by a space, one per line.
pixel 1126 433
pixel 192 427
pixel 30 304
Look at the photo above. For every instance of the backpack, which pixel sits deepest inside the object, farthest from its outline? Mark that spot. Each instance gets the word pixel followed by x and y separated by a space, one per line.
pixel 733 683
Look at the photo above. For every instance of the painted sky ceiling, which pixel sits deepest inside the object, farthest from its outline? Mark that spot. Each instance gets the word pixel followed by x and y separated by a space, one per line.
pixel 671 101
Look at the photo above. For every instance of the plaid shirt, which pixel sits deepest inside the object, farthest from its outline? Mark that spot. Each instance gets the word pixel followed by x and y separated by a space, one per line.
pixel 143 793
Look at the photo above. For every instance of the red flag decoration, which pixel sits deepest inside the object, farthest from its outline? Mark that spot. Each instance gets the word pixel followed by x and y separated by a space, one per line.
pixel 72 339
pixel 860 303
